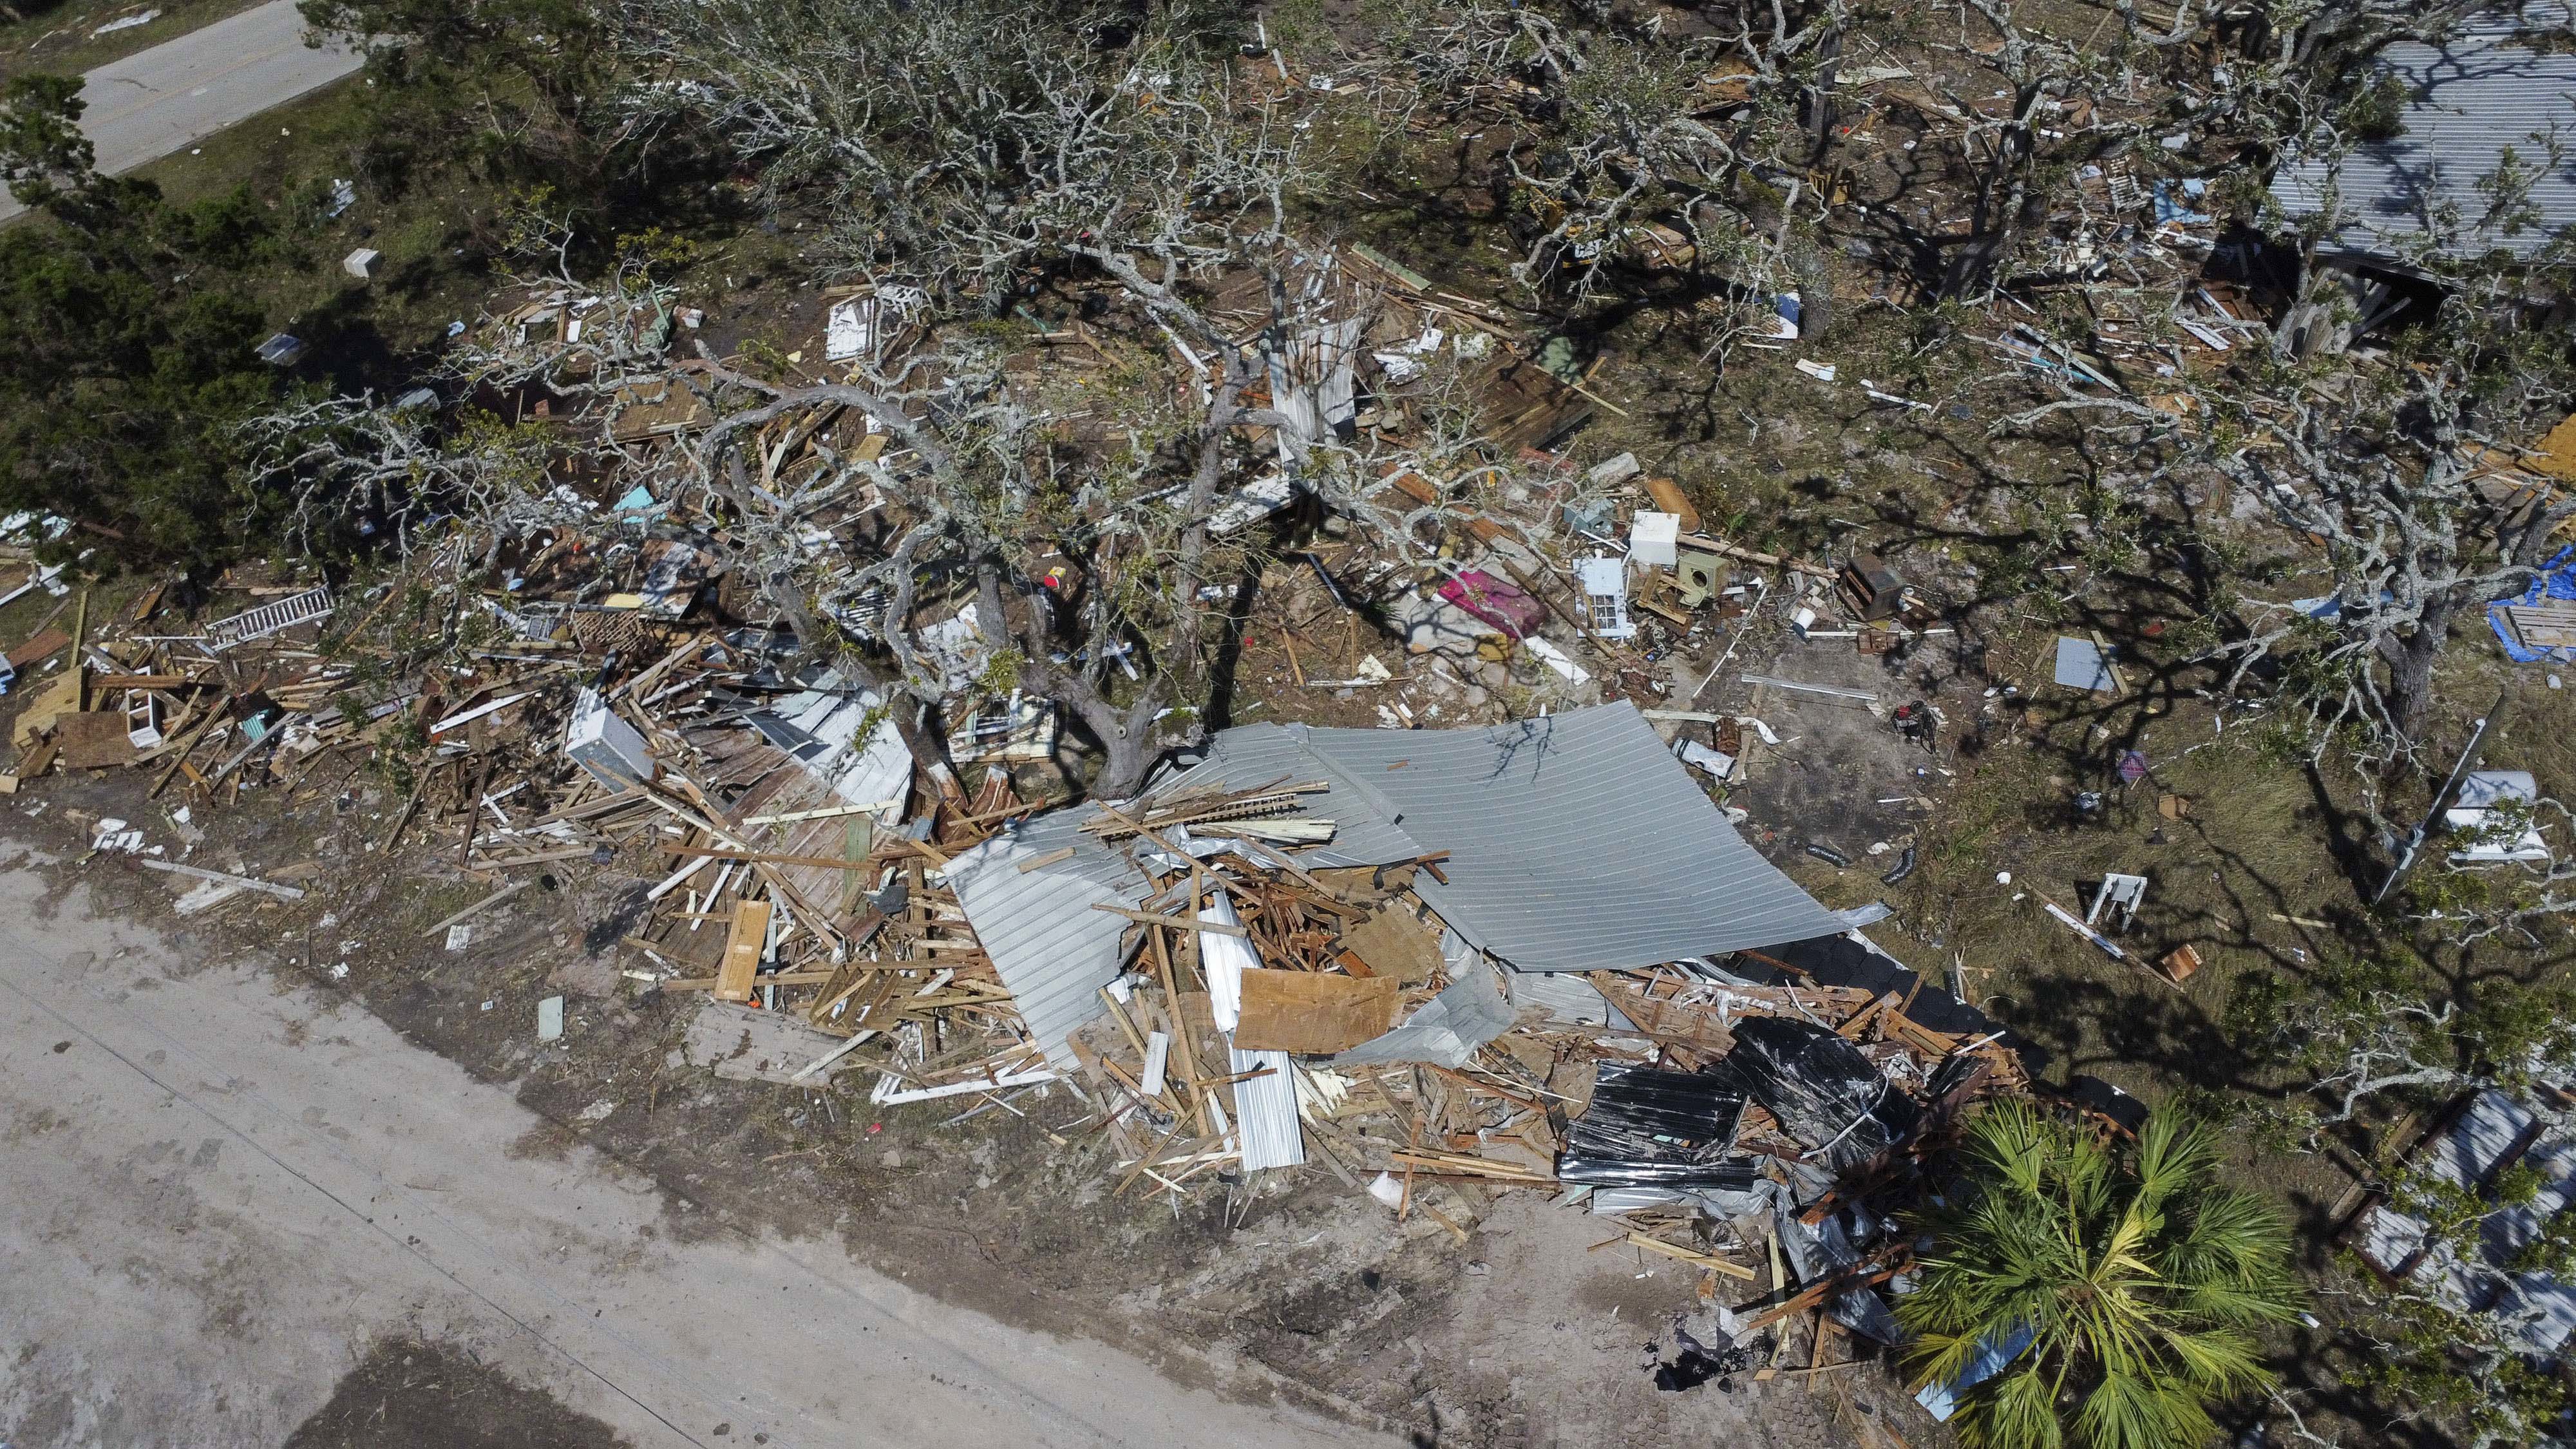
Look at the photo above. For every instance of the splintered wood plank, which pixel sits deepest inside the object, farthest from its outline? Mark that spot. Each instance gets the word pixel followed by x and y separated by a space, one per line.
pixel 742 950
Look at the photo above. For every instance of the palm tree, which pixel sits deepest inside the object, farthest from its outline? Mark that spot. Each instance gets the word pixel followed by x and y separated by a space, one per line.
pixel 2135 1281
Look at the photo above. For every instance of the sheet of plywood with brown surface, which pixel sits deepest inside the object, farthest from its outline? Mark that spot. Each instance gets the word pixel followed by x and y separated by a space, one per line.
pixel 1395 945
pixel 742 950
pixel 94 739
pixel 1313 1011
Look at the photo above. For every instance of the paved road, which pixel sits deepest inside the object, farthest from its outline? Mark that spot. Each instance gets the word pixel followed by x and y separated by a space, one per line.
pixel 157 101
pixel 214 1196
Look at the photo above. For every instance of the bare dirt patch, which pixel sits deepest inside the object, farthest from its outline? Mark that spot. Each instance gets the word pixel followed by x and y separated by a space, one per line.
pixel 408 1394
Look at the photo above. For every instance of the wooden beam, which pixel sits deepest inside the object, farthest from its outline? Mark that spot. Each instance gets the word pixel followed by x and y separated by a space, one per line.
pixel 749 937
pixel 756 857
pixel 777 978
pixel 1178 923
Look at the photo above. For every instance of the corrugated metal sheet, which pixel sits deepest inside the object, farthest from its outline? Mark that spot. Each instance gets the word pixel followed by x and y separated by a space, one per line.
pixel 1265 1110
pixel 1576 842
pixel 2472 98
pixel 1567 999
pixel 1047 943
pixel 1223 960
pixel 1364 832
pixel 2489 1136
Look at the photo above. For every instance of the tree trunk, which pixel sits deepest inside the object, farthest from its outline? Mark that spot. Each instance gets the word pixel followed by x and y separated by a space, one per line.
pixel 1129 755
pixel 2410 668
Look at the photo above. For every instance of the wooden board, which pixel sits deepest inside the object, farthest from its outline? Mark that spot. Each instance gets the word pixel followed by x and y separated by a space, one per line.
pixel 94 739
pixel 742 950
pixel 54 699
pixel 38 649
pixel 1313 1011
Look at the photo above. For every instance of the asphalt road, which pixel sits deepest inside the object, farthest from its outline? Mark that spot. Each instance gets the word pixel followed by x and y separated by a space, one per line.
pixel 157 101
pixel 215 1195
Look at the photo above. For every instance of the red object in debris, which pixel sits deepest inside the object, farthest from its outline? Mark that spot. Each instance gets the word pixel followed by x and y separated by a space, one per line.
pixel 1497 603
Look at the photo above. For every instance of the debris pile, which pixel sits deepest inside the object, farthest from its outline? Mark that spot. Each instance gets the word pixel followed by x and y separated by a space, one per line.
pixel 1524 950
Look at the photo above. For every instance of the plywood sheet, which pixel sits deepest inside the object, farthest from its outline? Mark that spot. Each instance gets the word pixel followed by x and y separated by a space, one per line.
pixel 1395 945
pixel 94 739
pixel 1314 1012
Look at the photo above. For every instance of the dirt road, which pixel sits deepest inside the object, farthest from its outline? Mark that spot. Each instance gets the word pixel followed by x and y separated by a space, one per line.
pixel 217 1199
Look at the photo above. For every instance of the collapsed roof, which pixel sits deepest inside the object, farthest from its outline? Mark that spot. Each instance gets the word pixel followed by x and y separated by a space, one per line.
pixel 1574 842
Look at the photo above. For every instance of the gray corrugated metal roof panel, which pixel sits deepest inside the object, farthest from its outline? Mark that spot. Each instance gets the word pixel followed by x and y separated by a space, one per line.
pixel 2488 1135
pixel 1576 842
pixel 1047 943
pixel 2552 1306
pixel 2503 22
pixel 2472 98
pixel 1250 756
pixel 1568 999
pixel 2390 1238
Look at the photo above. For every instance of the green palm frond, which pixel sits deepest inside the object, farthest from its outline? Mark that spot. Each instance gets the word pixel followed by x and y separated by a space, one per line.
pixel 2139 1278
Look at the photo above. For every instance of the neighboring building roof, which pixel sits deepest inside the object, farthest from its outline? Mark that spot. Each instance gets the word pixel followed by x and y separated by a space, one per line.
pixel 2472 97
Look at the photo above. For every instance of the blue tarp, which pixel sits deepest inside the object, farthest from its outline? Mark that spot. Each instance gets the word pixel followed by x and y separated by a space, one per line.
pixel 2557 583
pixel 1942 1400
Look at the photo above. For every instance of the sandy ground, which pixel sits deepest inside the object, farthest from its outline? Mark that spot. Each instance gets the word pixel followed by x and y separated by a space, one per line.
pixel 218 1198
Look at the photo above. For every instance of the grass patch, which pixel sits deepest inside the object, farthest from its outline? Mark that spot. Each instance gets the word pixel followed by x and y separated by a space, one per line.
pixel 432 271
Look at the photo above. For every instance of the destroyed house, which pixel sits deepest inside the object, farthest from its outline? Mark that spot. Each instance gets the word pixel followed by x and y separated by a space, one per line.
pixel 1565 844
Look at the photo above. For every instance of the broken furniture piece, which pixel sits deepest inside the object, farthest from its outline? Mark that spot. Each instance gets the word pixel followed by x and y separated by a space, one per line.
pixel 612 750
pixel 2127 892
pixel 1699 577
pixel 1605 596
pixel 142 719
pixel 1654 539
pixel 1869 589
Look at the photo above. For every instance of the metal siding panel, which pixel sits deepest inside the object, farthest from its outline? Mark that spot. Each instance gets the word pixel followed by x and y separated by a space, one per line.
pixel 1265 1110
pixel 1047 943
pixel 1577 842
pixel 1447 1030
